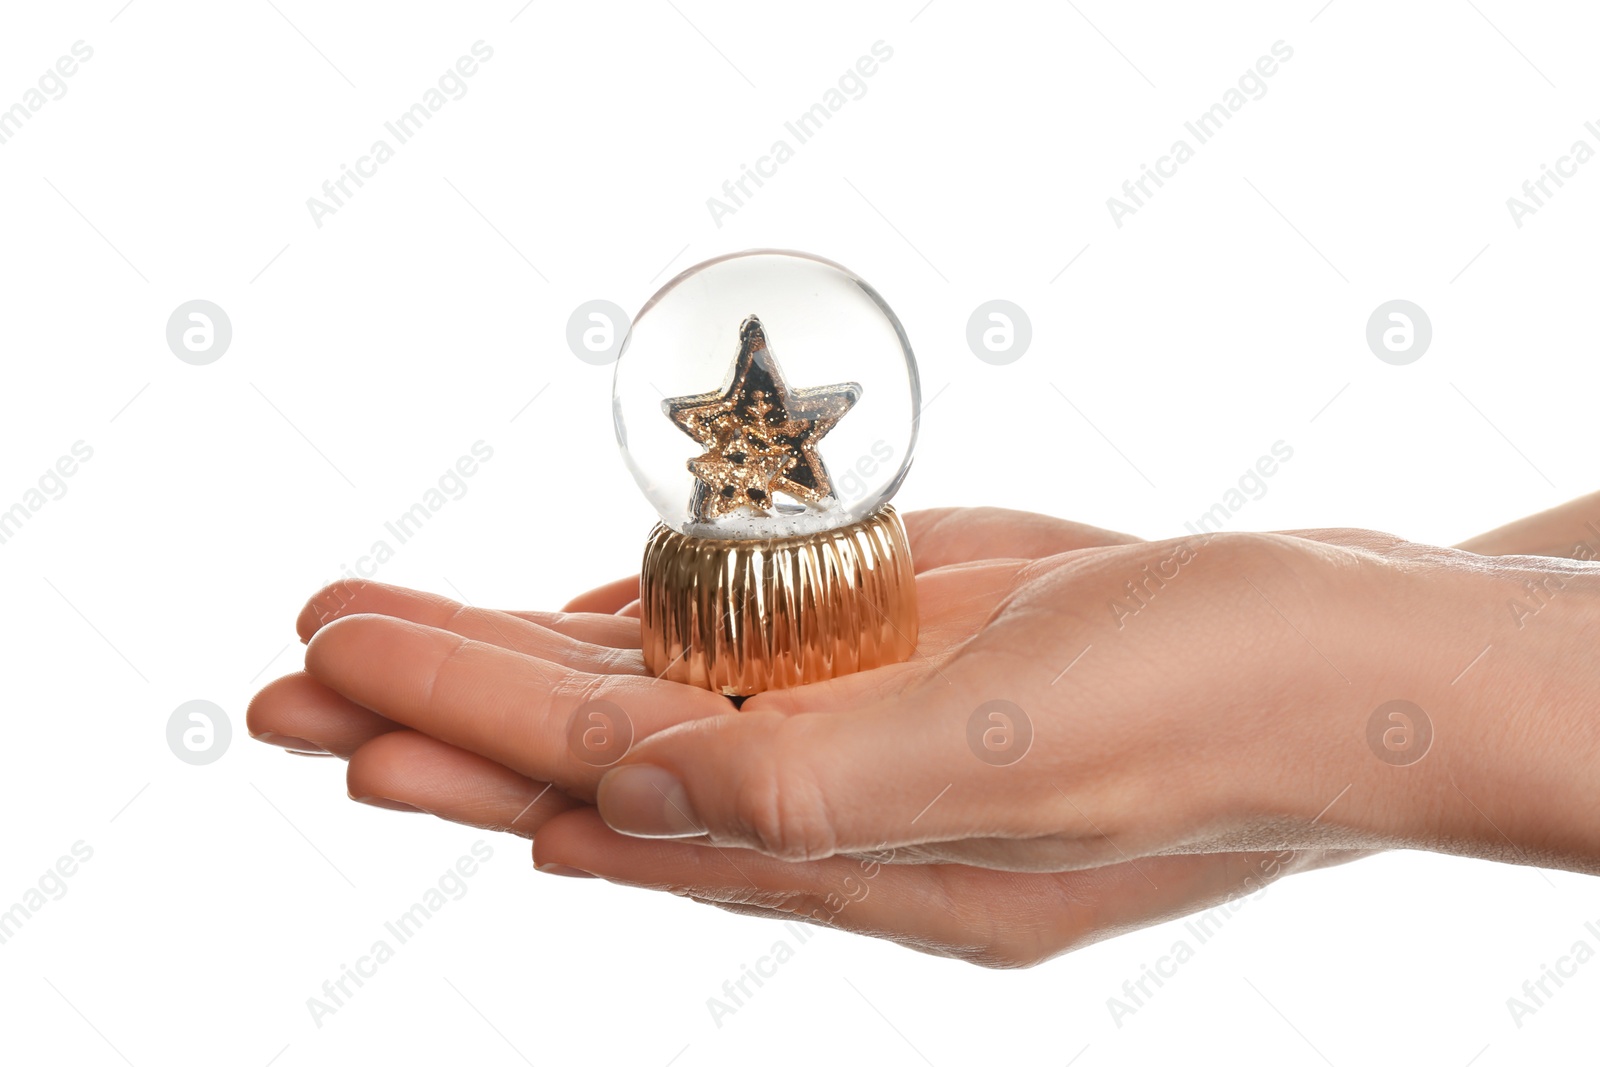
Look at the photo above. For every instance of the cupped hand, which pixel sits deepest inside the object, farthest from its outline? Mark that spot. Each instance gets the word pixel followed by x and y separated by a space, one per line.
pixel 431 757
pixel 1108 733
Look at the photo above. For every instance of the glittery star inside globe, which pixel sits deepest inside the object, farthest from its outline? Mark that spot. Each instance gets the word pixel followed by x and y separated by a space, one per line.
pixel 759 434
pixel 742 453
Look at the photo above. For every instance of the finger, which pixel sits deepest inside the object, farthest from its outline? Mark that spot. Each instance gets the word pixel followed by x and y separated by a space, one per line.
pixel 596 629
pixel 954 602
pixel 515 632
pixel 518 710
pixel 854 894
pixel 425 774
pixel 608 599
pixel 806 786
pixel 943 536
pixel 298 712
pixel 553 631
pixel 997 919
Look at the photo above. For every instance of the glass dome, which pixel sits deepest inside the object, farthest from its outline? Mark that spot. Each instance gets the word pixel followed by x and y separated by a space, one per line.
pixel 766 394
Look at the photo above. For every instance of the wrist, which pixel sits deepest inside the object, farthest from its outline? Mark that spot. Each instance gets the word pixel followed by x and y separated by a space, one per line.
pixel 1494 751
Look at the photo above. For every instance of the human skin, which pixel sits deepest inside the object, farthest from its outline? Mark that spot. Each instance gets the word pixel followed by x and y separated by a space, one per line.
pixel 1193 750
pixel 1569 531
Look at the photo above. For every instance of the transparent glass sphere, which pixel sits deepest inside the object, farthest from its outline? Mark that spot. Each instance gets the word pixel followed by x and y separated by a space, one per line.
pixel 766 394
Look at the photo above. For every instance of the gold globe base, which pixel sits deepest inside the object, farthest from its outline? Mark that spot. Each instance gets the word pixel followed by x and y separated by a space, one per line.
pixel 740 617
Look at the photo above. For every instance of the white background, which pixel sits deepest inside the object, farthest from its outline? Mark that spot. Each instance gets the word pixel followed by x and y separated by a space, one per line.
pixel 429 313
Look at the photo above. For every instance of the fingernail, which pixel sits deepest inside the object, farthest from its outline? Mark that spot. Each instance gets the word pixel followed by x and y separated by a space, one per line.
pixel 563 870
pixel 385 802
pixel 286 741
pixel 646 801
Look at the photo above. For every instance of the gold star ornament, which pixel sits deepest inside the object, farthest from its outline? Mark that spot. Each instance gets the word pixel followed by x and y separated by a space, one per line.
pixel 760 436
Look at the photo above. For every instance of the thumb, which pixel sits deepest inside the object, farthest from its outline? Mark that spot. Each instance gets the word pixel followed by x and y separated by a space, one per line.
pixel 809 785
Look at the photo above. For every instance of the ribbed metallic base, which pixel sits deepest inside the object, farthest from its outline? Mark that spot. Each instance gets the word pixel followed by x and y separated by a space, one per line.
pixel 739 617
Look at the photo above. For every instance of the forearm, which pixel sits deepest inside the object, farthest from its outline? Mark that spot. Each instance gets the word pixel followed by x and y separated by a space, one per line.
pixel 1568 531
pixel 1500 662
